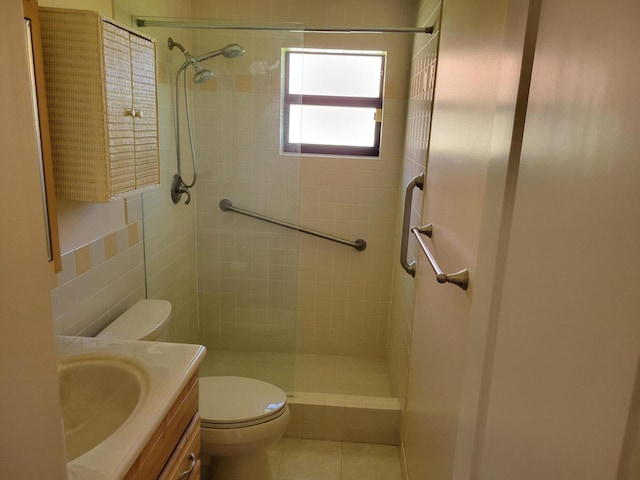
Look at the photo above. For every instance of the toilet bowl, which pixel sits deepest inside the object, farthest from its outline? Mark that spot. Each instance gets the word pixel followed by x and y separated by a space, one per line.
pixel 240 417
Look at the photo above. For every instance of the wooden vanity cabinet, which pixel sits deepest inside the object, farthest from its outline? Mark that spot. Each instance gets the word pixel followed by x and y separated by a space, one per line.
pixel 185 457
pixel 174 447
pixel 102 95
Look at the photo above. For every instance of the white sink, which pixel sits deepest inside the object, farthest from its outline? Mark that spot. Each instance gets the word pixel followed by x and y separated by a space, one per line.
pixel 99 395
pixel 100 381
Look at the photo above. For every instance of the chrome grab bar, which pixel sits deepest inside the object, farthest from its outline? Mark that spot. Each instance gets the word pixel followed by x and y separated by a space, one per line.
pixel 359 244
pixel 460 278
pixel 417 182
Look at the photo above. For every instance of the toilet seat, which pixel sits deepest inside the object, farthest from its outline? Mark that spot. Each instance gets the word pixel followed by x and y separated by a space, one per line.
pixel 250 423
pixel 228 402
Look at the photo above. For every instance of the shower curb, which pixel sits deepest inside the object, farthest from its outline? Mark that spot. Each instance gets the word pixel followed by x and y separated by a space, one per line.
pixel 344 418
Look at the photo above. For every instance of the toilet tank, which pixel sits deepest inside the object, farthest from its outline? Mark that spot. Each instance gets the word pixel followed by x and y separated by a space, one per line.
pixel 146 320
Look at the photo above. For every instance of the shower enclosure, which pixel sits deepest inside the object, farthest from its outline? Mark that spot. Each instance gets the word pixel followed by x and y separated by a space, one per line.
pixel 298 311
pixel 247 269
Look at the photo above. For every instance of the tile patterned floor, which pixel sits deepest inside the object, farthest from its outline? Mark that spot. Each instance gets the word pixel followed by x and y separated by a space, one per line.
pixel 299 459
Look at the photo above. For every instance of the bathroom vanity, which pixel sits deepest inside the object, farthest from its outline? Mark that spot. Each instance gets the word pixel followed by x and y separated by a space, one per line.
pixel 160 437
pixel 173 452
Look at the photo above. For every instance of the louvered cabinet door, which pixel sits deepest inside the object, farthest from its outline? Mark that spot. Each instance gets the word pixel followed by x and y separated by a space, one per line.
pixel 143 76
pixel 120 110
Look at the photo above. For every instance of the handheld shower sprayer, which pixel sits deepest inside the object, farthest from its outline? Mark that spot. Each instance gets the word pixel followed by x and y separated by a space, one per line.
pixel 201 75
pixel 232 50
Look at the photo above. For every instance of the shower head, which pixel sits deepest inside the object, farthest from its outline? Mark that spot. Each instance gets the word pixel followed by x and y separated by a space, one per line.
pixel 230 51
pixel 233 50
pixel 202 74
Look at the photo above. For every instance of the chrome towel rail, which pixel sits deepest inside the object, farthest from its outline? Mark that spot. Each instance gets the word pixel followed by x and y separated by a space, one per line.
pixel 460 278
pixel 417 182
pixel 226 205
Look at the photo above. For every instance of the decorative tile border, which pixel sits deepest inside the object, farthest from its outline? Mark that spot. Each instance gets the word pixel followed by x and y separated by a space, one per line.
pixel 87 257
pixel 101 279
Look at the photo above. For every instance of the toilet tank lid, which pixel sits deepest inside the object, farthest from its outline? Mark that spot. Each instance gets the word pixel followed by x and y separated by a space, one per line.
pixel 139 321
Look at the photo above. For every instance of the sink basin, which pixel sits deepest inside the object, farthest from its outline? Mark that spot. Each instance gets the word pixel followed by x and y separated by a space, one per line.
pixel 98 395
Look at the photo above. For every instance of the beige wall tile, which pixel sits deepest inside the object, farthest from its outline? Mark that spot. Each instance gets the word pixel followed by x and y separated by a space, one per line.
pixel 133 235
pixel 83 259
pixel 110 246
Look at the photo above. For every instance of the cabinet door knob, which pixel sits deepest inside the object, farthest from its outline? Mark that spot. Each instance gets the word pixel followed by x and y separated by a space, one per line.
pixel 139 114
pixel 186 473
pixel 131 113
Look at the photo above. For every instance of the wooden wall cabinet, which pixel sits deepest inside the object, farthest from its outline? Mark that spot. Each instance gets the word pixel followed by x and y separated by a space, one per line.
pixel 102 95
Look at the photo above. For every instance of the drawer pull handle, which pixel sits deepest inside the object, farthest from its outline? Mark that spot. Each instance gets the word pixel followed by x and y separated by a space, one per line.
pixel 186 473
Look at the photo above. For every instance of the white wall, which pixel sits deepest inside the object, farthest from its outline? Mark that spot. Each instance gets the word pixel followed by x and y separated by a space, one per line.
pixel 560 393
pixel 31 438
pixel 546 377
pixel 458 162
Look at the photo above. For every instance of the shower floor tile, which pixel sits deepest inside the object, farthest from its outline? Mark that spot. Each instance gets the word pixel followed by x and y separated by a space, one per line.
pixel 304 372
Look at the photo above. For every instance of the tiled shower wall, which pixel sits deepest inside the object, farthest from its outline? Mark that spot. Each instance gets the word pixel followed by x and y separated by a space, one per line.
pixel 247 270
pixel 423 69
pixel 334 299
pixel 169 229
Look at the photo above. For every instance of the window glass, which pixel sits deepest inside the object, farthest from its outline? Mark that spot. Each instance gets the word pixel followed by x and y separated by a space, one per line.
pixel 332 125
pixel 333 102
pixel 330 74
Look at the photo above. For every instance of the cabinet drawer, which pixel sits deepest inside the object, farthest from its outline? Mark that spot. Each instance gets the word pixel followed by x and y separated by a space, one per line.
pixel 184 463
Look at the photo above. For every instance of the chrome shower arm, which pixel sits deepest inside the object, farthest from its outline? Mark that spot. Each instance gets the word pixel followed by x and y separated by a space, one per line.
pixel 207 56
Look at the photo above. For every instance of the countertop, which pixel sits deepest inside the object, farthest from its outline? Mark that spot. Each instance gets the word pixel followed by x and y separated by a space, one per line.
pixel 169 367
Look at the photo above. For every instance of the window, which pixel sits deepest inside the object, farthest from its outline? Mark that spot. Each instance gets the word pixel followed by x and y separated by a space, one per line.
pixel 333 102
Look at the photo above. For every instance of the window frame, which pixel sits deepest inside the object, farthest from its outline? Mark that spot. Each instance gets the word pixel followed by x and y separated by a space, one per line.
pixel 332 101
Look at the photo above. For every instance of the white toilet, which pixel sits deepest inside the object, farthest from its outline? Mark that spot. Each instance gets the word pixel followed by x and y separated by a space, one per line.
pixel 240 417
